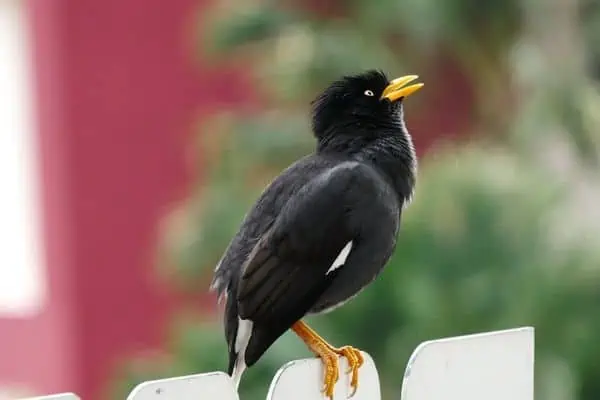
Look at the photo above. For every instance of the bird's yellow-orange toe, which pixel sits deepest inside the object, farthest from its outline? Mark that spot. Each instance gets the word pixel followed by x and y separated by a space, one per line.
pixel 355 361
pixel 330 371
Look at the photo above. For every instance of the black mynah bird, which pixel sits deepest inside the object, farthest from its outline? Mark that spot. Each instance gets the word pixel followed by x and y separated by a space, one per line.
pixel 324 228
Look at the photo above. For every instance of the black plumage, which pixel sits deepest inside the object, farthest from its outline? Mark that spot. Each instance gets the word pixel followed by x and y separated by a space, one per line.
pixel 324 228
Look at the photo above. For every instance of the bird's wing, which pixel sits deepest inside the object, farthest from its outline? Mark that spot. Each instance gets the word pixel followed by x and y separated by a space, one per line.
pixel 261 217
pixel 291 265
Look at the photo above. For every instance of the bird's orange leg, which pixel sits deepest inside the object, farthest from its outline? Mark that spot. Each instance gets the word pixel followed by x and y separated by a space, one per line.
pixel 329 356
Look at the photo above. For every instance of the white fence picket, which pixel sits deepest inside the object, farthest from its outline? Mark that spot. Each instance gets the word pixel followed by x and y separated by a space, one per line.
pixel 61 396
pixel 493 366
pixel 214 385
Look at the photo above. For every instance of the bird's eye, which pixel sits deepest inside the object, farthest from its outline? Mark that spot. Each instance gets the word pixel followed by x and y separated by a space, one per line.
pixel 368 93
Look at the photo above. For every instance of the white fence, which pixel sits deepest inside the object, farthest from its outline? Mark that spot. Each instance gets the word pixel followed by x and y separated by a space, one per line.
pixel 492 366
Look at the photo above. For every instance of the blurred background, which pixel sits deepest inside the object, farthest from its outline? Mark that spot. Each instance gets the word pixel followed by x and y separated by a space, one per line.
pixel 135 135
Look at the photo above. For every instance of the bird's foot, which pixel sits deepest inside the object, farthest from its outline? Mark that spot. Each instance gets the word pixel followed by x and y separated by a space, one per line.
pixel 355 361
pixel 329 356
pixel 330 361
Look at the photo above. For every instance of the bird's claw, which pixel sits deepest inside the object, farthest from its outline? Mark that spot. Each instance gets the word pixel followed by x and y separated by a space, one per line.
pixel 355 361
pixel 331 376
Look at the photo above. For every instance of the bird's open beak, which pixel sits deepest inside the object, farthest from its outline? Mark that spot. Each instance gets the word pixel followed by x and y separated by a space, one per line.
pixel 398 89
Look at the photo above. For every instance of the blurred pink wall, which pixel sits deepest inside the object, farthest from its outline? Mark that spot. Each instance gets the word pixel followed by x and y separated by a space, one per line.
pixel 118 94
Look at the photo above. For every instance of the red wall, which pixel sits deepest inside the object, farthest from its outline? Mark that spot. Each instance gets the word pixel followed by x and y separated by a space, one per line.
pixel 118 95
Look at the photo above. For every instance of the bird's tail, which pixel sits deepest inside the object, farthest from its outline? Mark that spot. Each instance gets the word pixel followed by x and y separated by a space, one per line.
pixel 238 343
pixel 237 366
pixel 238 333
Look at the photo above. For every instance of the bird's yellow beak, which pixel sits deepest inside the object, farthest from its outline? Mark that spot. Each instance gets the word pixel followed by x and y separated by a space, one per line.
pixel 398 89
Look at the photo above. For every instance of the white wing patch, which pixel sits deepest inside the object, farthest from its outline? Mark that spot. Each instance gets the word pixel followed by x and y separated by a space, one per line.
pixel 341 258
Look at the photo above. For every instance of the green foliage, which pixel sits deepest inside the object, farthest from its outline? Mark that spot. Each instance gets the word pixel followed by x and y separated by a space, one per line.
pixel 251 25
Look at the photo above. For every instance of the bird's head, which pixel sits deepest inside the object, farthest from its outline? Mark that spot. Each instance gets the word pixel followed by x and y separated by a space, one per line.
pixel 367 103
